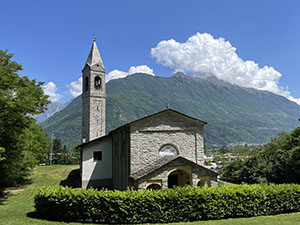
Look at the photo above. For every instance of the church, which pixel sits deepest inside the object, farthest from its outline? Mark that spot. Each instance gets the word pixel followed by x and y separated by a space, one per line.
pixel 158 151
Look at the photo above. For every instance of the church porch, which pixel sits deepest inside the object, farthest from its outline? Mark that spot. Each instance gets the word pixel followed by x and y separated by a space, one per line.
pixel 175 171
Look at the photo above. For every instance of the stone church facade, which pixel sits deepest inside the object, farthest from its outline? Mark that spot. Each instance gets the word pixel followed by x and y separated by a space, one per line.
pixel 161 150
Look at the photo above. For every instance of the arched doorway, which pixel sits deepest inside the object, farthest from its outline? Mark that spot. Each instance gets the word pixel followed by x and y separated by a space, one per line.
pixel 178 178
pixel 154 186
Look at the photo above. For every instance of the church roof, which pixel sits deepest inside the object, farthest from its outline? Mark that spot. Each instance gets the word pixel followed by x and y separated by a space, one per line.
pixel 143 118
pixel 169 110
pixel 164 111
pixel 157 164
pixel 94 57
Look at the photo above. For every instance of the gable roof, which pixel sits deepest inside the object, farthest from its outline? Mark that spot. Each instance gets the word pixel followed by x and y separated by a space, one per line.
pixel 165 111
pixel 143 118
pixel 157 164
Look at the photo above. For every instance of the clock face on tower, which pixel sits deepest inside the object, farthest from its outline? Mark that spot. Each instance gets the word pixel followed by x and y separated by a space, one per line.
pixel 97 82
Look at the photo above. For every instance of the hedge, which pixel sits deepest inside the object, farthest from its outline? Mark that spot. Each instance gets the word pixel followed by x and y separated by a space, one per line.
pixel 168 205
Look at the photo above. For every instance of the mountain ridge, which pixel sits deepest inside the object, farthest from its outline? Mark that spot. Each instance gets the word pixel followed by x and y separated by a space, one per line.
pixel 234 114
pixel 52 108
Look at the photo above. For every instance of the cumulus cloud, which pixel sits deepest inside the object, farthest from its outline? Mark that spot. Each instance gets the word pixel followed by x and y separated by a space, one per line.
pixel 203 55
pixel 75 87
pixel 50 89
pixel 115 74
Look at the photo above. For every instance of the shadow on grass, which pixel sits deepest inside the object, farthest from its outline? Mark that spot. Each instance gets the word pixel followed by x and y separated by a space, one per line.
pixel 2 196
pixel 73 179
pixel 7 192
pixel 35 215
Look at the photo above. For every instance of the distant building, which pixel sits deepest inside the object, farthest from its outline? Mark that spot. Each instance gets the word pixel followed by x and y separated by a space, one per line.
pixel 158 151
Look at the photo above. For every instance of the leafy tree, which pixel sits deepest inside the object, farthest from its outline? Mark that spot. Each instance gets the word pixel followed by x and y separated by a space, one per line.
pixel 36 143
pixel 2 150
pixel 278 162
pixel 22 142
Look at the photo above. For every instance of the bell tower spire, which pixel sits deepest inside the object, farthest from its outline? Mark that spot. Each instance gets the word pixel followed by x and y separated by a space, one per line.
pixel 93 96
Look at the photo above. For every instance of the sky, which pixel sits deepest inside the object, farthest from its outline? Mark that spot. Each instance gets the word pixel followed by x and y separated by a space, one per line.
pixel 249 43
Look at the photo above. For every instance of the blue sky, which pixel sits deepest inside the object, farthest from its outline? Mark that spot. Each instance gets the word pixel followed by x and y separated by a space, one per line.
pixel 260 46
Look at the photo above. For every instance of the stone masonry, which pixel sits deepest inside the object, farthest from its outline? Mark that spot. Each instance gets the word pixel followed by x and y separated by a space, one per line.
pixel 161 175
pixel 93 96
pixel 149 136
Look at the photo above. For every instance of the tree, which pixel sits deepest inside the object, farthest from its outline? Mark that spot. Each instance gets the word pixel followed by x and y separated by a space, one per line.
pixel 22 142
pixel 2 150
pixel 278 162
pixel 62 154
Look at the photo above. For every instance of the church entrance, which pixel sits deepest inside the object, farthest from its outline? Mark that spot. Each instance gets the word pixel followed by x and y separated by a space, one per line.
pixel 178 178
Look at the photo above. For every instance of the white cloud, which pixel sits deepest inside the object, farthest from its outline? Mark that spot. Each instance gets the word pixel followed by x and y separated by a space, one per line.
pixel 203 55
pixel 75 87
pixel 115 74
pixel 297 100
pixel 50 89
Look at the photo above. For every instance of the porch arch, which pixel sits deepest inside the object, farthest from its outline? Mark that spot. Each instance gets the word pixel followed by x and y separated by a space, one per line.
pixel 178 178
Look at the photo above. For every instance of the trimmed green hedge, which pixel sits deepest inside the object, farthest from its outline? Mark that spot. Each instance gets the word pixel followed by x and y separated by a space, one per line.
pixel 168 205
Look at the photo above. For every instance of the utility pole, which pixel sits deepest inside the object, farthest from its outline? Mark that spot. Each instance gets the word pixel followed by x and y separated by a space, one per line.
pixel 51 150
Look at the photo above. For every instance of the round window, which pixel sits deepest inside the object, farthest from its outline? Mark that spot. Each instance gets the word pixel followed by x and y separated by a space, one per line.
pixel 168 150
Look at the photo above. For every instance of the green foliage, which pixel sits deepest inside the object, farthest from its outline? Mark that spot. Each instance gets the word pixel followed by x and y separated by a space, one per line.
pixel 18 208
pixel 61 154
pixel 234 114
pixel 278 162
pixel 168 205
pixel 22 142
pixel 2 150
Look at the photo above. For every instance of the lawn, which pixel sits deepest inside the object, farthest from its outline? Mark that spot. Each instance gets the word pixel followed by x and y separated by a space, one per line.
pixel 16 209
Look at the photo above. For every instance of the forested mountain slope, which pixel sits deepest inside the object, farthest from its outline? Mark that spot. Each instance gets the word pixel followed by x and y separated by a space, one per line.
pixel 234 114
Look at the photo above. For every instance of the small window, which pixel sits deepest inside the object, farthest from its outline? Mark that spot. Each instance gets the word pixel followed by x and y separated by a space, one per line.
pixel 168 150
pixel 98 156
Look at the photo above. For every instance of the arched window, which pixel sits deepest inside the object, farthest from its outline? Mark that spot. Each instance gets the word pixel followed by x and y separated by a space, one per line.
pixel 154 186
pixel 86 83
pixel 97 82
pixel 168 150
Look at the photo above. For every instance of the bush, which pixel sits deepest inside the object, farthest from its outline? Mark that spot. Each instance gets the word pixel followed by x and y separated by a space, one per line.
pixel 168 205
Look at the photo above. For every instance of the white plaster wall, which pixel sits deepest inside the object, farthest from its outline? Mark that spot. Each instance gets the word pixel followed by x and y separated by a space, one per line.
pixel 94 170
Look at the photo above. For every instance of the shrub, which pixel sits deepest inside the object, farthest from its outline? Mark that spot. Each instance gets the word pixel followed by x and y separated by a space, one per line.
pixel 168 205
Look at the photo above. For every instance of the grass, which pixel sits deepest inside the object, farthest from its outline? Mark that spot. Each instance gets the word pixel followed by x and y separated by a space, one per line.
pixel 17 208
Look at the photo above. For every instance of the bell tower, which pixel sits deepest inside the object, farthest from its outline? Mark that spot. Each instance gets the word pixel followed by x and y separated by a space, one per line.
pixel 93 96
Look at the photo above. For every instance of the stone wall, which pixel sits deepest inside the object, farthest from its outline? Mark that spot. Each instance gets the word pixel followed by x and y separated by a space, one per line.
pixel 149 135
pixel 93 105
pixel 161 175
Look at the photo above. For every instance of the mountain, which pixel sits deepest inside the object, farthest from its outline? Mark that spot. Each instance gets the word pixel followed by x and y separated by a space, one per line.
pixel 234 114
pixel 52 108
